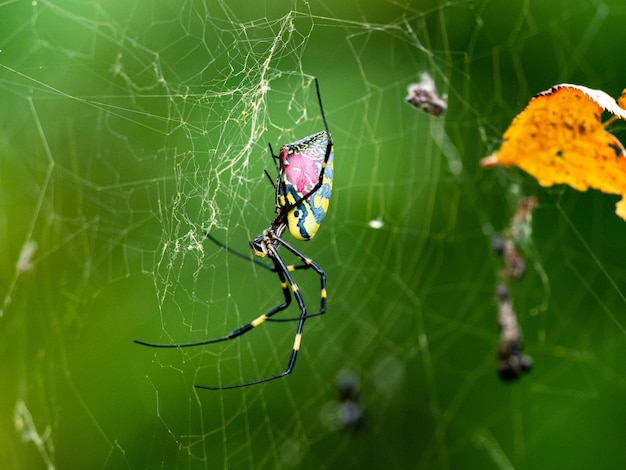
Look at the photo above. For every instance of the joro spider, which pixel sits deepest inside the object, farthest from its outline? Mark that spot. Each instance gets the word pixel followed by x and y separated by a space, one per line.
pixel 303 189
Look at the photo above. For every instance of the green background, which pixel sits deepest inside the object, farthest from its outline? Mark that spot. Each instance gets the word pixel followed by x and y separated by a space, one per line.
pixel 128 129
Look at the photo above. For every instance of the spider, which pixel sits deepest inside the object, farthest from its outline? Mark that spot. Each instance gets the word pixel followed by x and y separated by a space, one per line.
pixel 303 188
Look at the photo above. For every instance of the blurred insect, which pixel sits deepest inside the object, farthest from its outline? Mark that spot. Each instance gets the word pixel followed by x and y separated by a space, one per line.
pixel 519 223
pixel 423 95
pixel 512 363
pixel 518 229
pixel 349 409
pixel 345 412
pixel 303 189
pixel 504 248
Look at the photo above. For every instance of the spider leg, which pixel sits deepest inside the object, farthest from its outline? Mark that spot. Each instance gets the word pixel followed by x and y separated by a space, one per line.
pixel 275 157
pixel 282 271
pixel 286 277
pixel 241 255
pixel 307 263
pixel 271 180
pixel 319 99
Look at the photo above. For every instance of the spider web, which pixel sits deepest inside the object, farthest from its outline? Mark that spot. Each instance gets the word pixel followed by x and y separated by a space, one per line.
pixel 130 130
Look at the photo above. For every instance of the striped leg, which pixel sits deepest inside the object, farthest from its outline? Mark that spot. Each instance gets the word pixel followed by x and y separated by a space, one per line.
pixel 286 279
pixel 307 263
pixel 243 329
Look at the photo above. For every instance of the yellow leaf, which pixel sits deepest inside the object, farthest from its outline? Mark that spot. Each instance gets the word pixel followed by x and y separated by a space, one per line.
pixel 559 139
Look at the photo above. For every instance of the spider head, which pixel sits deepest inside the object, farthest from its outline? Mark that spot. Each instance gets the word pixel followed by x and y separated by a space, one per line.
pixel 265 244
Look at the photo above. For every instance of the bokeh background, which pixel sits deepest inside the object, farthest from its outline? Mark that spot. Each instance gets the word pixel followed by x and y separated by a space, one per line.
pixel 127 130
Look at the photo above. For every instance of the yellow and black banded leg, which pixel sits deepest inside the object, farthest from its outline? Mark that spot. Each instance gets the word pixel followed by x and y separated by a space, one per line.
pixel 281 270
pixel 307 263
pixel 285 276
pixel 288 286
pixel 232 251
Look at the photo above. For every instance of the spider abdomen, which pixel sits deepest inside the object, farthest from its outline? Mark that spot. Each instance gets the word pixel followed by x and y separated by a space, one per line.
pixel 301 164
